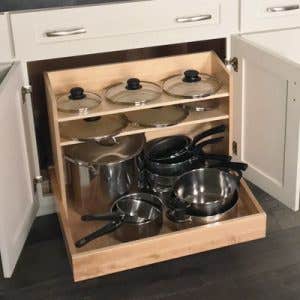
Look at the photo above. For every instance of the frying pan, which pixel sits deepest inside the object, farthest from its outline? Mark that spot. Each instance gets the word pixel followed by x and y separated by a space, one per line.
pixel 180 165
pixel 173 147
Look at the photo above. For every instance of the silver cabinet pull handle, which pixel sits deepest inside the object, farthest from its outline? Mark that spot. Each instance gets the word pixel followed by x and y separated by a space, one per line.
pixel 66 32
pixel 193 19
pixel 282 8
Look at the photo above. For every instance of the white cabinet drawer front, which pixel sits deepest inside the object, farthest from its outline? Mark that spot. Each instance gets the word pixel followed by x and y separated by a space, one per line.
pixel 75 31
pixel 259 15
pixel 5 51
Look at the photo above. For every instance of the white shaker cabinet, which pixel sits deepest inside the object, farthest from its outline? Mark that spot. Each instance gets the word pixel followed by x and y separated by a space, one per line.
pixel 267 111
pixel 19 166
pixel 261 15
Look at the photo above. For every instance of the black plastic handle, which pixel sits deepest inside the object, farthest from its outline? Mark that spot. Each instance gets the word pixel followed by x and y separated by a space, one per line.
pixel 199 148
pixel 108 228
pixel 191 76
pixel 206 133
pixel 235 168
pixel 77 93
pixel 108 217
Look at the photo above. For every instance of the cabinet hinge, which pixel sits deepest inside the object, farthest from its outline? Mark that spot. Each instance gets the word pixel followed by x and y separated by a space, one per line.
pixel 37 180
pixel 234 147
pixel 26 90
pixel 233 63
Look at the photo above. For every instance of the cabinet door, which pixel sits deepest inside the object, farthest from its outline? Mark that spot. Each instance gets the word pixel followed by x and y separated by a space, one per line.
pixel 266 114
pixel 18 201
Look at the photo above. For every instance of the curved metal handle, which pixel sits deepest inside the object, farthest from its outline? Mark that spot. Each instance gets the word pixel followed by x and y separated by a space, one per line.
pixel 282 8
pixel 193 19
pixel 66 32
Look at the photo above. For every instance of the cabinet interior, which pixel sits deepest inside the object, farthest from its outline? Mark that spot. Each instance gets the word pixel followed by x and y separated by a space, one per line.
pixel 107 255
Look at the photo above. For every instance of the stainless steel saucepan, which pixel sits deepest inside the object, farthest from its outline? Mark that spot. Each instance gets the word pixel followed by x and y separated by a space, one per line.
pixel 132 217
pixel 206 191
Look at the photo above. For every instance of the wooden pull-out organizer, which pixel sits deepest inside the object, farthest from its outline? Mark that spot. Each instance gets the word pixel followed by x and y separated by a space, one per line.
pixel 107 255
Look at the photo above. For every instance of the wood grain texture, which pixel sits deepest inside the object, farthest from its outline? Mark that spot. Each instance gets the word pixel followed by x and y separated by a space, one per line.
pixel 106 255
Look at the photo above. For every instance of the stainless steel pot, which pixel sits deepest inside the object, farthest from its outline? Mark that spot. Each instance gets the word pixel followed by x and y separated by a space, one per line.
pixel 184 221
pixel 206 191
pixel 100 174
pixel 133 217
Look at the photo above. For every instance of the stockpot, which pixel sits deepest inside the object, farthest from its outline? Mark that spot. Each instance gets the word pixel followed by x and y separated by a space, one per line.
pixel 101 173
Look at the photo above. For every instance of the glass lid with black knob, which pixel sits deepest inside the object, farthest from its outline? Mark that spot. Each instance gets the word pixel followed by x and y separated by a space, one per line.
pixel 133 92
pixel 191 84
pixel 78 101
pixel 94 128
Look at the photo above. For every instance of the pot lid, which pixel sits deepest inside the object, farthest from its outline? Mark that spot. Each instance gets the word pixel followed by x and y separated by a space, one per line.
pixel 93 128
pixel 78 101
pixel 91 153
pixel 133 91
pixel 202 105
pixel 158 117
pixel 191 84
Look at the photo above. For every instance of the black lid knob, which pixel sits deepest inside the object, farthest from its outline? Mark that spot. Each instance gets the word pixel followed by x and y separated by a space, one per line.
pixel 77 93
pixel 133 84
pixel 191 76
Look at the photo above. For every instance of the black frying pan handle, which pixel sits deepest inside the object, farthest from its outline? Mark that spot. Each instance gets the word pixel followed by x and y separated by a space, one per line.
pixel 108 228
pixel 204 134
pixel 235 166
pixel 199 148
pixel 108 217
pixel 221 159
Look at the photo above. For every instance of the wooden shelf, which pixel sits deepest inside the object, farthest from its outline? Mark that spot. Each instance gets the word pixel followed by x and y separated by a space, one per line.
pixel 108 108
pixel 193 118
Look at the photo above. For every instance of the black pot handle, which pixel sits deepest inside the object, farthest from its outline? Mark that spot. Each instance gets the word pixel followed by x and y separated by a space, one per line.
pixel 220 159
pixel 235 168
pixel 199 148
pixel 204 134
pixel 108 228
pixel 108 217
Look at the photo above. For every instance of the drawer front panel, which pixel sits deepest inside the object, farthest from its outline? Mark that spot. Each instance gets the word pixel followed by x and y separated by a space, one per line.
pixel 260 15
pixel 6 51
pixel 108 27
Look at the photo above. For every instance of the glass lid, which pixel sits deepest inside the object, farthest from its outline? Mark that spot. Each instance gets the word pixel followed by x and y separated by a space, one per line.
pixel 133 92
pixel 191 84
pixel 207 105
pixel 125 148
pixel 93 128
pixel 158 117
pixel 78 101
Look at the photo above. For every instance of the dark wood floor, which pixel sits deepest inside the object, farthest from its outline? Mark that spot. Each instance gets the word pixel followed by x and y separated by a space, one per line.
pixel 263 269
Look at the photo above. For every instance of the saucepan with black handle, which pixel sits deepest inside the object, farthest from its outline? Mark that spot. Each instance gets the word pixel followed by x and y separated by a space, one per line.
pixel 132 217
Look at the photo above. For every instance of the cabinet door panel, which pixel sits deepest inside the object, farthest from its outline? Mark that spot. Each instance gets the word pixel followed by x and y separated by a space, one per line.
pixel 266 126
pixel 18 205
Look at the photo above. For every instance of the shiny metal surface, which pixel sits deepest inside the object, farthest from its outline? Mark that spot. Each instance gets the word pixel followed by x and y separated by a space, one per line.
pixel 95 184
pixel 275 9
pixel 188 221
pixel 193 19
pixel 66 32
pixel 141 216
pixel 139 207
pixel 206 191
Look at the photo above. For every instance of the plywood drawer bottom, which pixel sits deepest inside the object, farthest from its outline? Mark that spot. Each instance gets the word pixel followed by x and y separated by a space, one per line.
pixel 106 255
